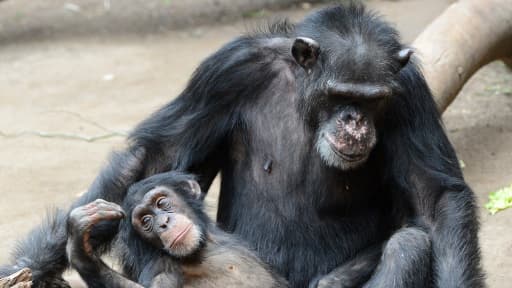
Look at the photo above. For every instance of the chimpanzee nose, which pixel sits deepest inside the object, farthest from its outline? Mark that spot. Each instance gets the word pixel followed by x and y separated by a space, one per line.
pixel 351 115
pixel 164 221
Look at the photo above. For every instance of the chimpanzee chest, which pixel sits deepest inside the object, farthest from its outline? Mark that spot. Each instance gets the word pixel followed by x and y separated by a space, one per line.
pixel 303 218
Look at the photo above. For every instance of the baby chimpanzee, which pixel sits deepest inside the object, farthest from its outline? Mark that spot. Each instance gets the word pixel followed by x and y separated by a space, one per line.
pixel 166 240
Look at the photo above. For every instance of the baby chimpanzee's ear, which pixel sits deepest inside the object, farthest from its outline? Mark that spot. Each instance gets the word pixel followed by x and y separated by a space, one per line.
pixel 194 189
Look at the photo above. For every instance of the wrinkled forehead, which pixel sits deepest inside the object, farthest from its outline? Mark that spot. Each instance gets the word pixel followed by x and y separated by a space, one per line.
pixel 356 59
pixel 156 192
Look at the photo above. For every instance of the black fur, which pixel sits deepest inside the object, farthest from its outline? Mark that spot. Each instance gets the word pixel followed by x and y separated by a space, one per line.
pixel 250 103
pixel 44 252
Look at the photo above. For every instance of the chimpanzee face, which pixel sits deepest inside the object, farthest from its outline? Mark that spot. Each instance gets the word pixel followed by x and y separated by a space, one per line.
pixel 346 137
pixel 165 220
pixel 344 92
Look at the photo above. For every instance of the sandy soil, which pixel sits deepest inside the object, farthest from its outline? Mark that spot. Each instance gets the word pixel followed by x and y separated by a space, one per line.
pixel 93 84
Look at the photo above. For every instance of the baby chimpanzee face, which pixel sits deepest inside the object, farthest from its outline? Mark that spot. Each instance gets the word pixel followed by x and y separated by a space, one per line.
pixel 166 220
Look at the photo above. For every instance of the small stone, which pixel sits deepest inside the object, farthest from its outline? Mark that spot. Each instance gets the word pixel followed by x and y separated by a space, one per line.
pixel 197 33
pixel 107 4
pixel 72 7
pixel 108 77
pixel 305 5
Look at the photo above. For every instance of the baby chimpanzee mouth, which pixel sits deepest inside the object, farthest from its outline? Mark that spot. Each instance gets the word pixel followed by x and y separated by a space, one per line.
pixel 181 235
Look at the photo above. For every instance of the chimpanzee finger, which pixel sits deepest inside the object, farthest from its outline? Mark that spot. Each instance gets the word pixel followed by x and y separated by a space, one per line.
pixel 101 203
pixel 103 206
pixel 102 215
pixel 96 203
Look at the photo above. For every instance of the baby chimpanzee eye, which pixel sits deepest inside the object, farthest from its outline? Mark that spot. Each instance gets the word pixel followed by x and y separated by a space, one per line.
pixel 147 222
pixel 163 203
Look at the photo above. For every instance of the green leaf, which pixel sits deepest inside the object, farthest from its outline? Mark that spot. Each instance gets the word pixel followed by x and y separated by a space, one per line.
pixel 500 200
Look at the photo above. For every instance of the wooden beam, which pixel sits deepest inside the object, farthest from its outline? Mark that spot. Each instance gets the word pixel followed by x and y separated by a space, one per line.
pixel 468 35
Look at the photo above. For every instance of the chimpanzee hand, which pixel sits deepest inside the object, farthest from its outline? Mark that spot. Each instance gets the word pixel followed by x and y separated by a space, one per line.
pixel 88 224
pixel 83 225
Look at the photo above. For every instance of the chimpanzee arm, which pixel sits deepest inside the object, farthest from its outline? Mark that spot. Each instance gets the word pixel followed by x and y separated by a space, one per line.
pixel 98 275
pixel 425 173
pixel 183 135
pixel 81 253
pixel 456 254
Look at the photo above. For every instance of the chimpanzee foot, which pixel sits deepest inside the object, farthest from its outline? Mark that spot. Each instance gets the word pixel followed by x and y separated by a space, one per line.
pixel 327 281
pixel 82 219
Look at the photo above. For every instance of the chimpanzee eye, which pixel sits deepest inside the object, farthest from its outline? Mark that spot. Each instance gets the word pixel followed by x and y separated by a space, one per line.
pixel 163 203
pixel 147 222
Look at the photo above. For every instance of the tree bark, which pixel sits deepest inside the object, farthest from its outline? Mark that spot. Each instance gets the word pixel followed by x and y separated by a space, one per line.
pixel 468 35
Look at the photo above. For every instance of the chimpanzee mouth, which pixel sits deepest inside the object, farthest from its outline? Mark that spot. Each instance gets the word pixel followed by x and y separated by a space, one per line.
pixel 181 235
pixel 346 157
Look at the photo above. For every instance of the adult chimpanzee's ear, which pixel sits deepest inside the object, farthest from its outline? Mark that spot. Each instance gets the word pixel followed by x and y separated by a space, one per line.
pixel 305 51
pixel 194 188
pixel 404 55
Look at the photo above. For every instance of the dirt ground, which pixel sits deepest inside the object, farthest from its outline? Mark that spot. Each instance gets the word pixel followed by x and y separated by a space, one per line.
pixel 93 84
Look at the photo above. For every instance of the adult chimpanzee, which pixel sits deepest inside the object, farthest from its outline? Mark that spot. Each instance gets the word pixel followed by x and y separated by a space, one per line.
pixel 323 153
pixel 166 240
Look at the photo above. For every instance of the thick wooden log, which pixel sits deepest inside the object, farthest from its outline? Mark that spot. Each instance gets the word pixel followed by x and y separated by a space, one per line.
pixel 468 35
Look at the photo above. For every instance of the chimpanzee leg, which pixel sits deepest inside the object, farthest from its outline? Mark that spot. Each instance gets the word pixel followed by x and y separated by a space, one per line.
pixel 352 273
pixel 405 261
